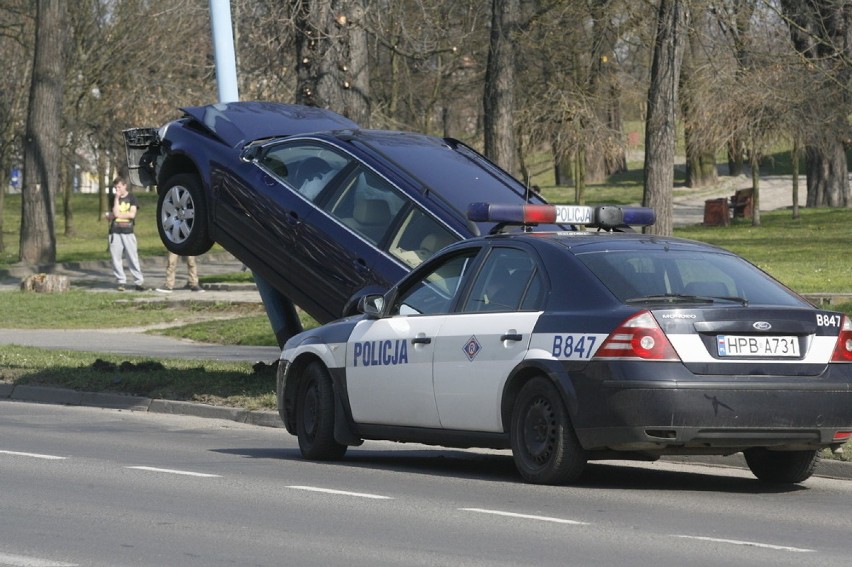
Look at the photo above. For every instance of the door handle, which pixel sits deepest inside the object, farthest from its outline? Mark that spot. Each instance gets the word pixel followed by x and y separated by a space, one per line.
pixel 511 337
pixel 421 340
pixel 360 266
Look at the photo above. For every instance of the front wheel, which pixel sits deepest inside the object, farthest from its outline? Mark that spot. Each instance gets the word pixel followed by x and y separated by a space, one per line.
pixel 544 445
pixel 182 216
pixel 781 467
pixel 315 416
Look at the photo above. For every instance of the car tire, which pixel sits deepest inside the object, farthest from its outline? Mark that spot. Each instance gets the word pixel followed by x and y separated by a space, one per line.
pixel 781 467
pixel 544 445
pixel 315 416
pixel 182 216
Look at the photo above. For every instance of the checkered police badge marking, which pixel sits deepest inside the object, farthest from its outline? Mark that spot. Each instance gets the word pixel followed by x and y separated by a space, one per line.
pixel 471 348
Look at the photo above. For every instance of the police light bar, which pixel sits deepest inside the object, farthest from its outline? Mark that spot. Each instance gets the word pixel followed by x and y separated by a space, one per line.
pixel 603 216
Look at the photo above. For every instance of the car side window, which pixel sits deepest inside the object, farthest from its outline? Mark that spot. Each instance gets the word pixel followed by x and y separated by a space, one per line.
pixel 433 294
pixel 366 203
pixel 419 237
pixel 307 168
pixel 507 277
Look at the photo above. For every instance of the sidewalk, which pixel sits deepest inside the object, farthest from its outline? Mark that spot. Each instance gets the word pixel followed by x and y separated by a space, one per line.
pixel 776 192
pixel 96 276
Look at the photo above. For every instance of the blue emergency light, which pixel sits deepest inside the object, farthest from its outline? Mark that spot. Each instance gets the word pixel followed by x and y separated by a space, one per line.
pixel 605 217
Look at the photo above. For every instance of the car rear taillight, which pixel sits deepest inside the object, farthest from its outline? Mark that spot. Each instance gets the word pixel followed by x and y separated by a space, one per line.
pixel 843 347
pixel 639 336
pixel 842 436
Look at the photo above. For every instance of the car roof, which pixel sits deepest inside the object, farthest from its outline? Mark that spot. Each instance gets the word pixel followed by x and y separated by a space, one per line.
pixel 236 123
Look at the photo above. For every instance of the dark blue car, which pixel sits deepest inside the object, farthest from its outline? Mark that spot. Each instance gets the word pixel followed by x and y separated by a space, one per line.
pixel 321 209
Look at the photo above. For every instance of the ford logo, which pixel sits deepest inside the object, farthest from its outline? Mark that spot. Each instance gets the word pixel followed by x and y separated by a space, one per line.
pixel 762 326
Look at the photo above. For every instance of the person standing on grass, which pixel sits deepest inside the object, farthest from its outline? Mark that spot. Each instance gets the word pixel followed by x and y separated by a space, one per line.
pixel 192 274
pixel 122 240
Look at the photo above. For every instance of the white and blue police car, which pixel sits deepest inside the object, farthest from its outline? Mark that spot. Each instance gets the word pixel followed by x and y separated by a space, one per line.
pixel 571 346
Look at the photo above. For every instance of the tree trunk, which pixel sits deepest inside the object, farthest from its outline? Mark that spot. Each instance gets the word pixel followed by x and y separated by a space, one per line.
pixel 608 156
pixel 580 176
pixel 499 97
pixel 672 21
pixel 755 188
pixel 562 168
pixel 820 32
pixel 41 144
pixel 331 57
pixel 827 175
pixel 794 160
pixel 103 187
pixel 700 158
pixel 4 183
pixel 68 189
pixel 736 165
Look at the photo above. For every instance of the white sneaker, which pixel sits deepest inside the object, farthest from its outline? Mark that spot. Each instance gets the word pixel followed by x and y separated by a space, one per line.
pixel 164 289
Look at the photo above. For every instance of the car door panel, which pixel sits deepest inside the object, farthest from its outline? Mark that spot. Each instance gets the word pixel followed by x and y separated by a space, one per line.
pixel 389 371
pixel 474 354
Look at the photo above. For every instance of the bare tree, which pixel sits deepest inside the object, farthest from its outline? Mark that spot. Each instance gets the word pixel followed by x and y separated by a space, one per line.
pixel 331 50
pixel 16 25
pixel 672 21
pixel 499 97
pixel 427 65
pixel 605 89
pixel 41 145
pixel 700 143
pixel 820 31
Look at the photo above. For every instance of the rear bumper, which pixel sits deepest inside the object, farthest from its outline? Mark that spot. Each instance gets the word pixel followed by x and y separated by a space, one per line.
pixel 699 416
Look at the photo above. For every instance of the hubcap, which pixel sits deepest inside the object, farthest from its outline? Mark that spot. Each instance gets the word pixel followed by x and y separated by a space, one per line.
pixel 178 214
pixel 539 430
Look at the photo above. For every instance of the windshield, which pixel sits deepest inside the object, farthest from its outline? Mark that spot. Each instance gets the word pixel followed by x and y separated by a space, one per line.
pixel 673 276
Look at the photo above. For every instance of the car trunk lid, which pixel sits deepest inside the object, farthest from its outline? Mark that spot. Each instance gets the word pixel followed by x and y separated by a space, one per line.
pixel 753 341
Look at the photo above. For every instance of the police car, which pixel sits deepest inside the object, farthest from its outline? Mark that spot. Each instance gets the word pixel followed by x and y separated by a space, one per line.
pixel 571 346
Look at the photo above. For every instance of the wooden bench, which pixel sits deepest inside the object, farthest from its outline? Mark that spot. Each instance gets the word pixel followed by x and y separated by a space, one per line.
pixel 741 203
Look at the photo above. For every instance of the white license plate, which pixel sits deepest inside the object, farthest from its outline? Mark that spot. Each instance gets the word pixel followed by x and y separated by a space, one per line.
pixel 766 346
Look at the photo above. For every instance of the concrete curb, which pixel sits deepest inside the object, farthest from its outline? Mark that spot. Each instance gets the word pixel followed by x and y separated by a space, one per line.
pixel 68 397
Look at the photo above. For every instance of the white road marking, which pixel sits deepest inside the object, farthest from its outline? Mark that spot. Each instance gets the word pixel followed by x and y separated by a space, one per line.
pixel 341 492
pixel 525 516
pixel 748 543
pixel 172 471
pixel 33 455
pixel 24 561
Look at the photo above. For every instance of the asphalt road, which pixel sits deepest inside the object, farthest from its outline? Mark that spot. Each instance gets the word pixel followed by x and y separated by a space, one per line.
pixel 97 488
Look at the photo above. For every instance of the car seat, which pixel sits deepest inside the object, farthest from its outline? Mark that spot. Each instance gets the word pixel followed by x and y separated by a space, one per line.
pixel 370 218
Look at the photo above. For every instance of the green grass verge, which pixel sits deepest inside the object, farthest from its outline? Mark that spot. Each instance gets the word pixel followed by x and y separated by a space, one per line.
pixel 213 382
pixel 77 309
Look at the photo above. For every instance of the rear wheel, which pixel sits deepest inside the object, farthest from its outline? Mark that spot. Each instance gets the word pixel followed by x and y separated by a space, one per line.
pixel 781 467
pixel 544 445
pixel 182 216
pixel 315 416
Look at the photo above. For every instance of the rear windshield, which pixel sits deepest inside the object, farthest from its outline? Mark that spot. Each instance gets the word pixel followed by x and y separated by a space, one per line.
pixel 459 174
pixel 650 275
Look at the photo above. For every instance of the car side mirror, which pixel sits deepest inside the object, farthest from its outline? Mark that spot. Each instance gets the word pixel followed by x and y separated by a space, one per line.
pixel 371 305
pixel 250 153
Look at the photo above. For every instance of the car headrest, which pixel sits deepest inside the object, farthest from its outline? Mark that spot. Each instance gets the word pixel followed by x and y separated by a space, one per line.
pixel 372 211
